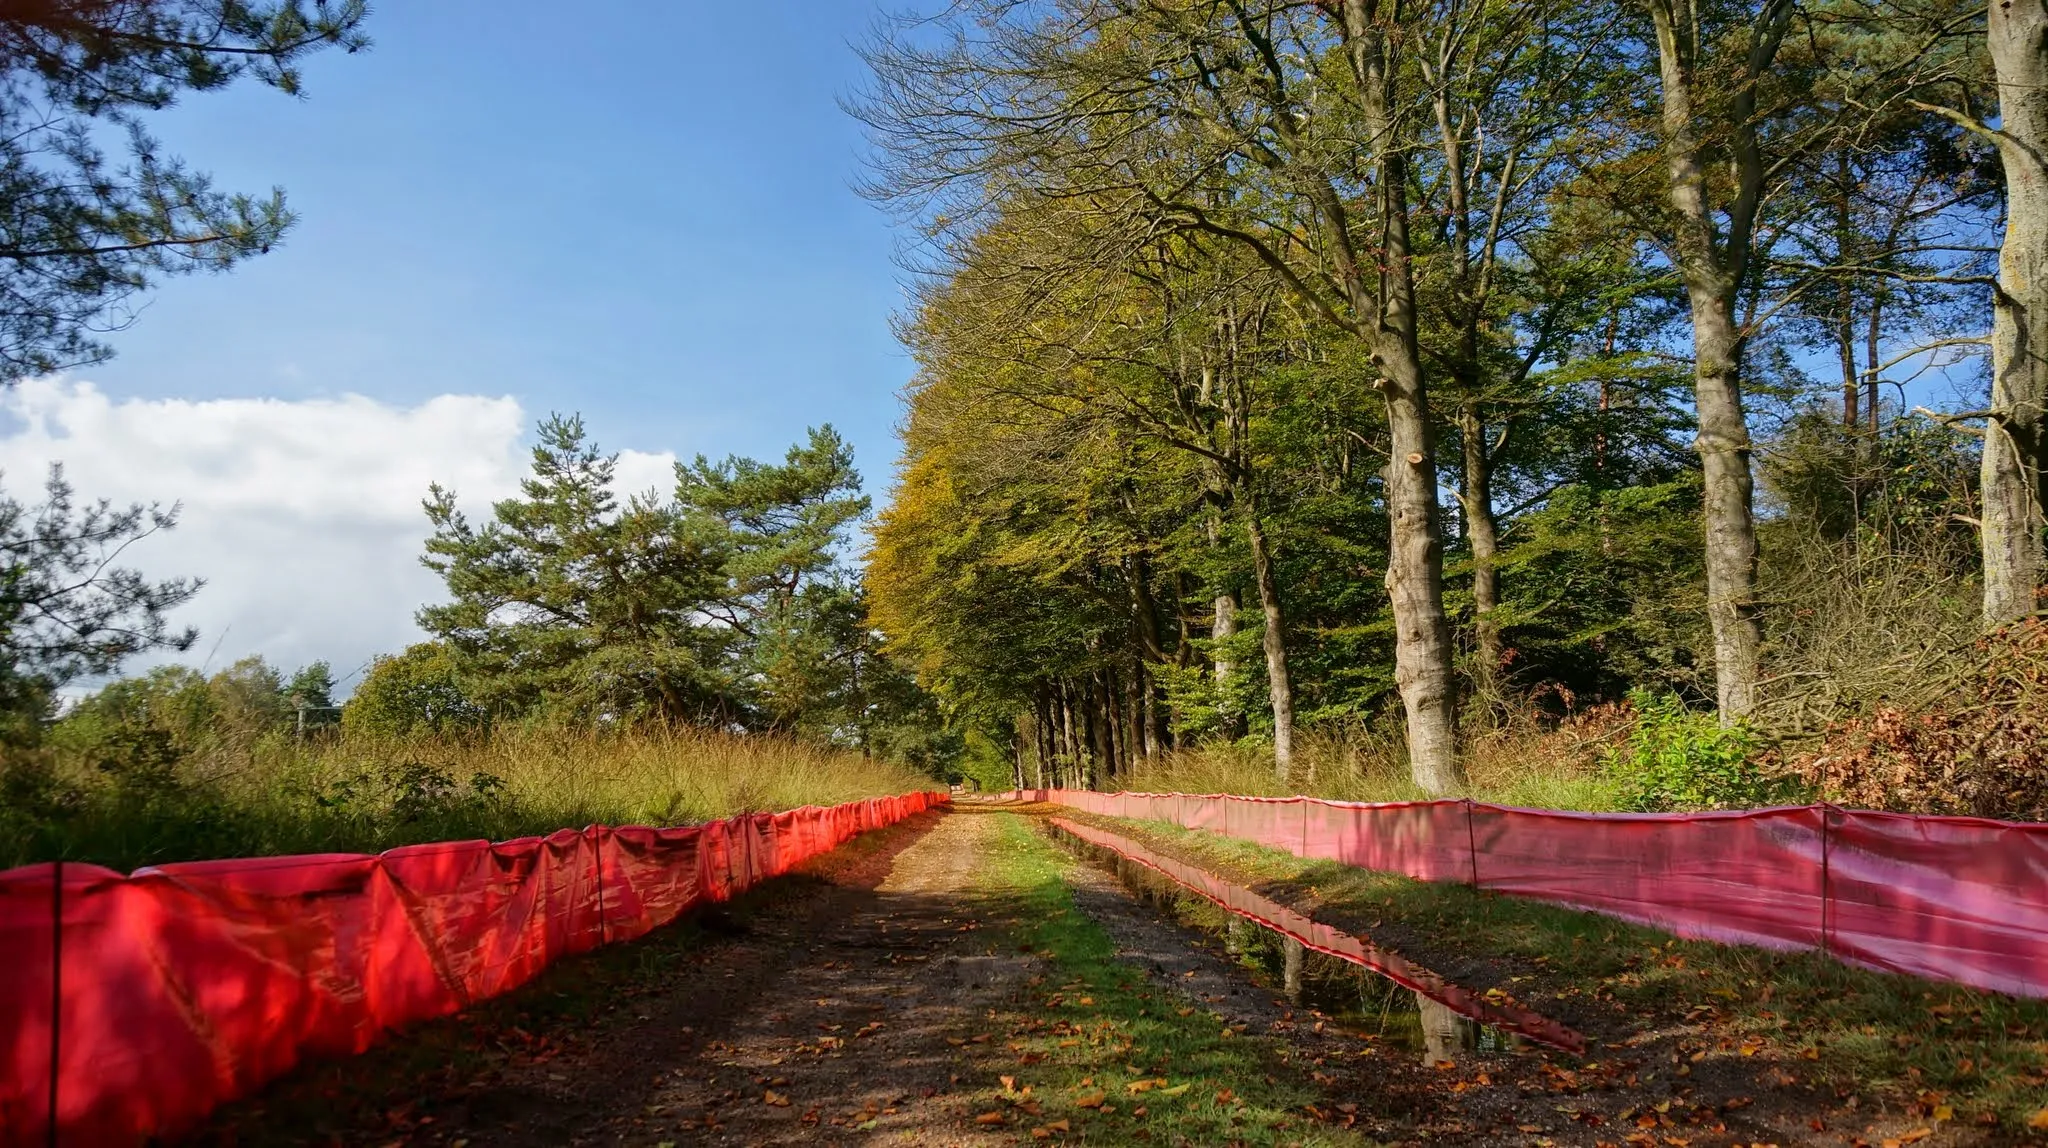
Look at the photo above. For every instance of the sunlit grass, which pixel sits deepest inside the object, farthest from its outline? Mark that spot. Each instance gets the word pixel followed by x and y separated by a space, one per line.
pixel 1547 769
pixel 1108 1057
pixel 279 795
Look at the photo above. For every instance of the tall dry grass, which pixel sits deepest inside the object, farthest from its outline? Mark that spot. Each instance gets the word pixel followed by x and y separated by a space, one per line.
pixel 1527 762
pixel 275 794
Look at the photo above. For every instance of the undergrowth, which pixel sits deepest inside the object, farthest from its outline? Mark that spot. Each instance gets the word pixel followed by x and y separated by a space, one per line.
pixel 1525 762
pixel 136 797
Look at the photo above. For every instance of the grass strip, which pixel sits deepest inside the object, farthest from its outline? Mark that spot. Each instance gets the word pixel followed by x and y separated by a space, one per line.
pixel 1100 1053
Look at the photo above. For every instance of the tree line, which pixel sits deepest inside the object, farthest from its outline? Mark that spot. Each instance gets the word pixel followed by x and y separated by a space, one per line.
pixel 725 602
pixel 1281 359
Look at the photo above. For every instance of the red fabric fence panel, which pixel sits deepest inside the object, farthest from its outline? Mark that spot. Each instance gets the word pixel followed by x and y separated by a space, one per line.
pixel 132 1006
pixel 1749 878
pixel 1953 898
pixel 1945 898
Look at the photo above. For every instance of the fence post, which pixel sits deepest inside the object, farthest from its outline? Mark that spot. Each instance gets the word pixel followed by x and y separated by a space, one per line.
pixel 1471 841
pixel 56 992
pixel 1827 833
pixel 604 925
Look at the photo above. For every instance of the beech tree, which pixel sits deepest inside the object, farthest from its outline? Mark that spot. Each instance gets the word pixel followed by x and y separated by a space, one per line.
pixel 1277 127
pixel 2014 478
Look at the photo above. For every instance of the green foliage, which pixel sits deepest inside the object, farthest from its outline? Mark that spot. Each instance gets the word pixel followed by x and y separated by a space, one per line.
pixel 418 691
pixel 82 233
pixel 1679 759
pixel 1912 475
pixel 774 528
pixel 725 606
pixel 567 602
pixel 66 610
pixel 1602 591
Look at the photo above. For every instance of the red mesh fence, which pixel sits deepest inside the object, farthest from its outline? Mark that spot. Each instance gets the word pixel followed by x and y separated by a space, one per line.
pixel 1946 898
pixel 183 986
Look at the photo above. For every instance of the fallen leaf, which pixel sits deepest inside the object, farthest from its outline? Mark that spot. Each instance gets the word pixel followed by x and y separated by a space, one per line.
pixel 2039 1121
pixel 1092 1100
pixel 1178 1089
pixel 775 1098
pixel 1009 1083
pixel 989 1118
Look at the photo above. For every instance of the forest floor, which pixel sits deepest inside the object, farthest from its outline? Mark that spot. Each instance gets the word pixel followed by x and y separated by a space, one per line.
pixel 961 979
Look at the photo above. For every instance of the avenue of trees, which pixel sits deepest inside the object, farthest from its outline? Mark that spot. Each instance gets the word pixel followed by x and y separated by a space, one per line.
pixel 1295 362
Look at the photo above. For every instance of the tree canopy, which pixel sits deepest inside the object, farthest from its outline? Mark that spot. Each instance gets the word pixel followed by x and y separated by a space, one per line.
pixel 1293 364
pixel 95 208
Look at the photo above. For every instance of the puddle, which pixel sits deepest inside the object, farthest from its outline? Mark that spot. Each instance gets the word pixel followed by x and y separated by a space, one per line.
pixel 1352 996
pixel 1365 988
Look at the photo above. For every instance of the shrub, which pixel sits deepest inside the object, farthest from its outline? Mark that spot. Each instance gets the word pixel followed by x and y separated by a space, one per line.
pixel 1676 759
pixel 1979 748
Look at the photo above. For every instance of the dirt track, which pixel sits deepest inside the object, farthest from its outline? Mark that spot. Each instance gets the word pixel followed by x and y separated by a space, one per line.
pixel 868 1001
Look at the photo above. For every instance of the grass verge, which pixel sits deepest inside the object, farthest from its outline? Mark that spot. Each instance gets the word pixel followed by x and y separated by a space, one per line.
pixel 1882 1043
pixel 1105 1056
pixel 273 794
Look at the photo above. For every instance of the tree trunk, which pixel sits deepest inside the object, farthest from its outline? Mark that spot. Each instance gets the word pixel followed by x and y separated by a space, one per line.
pixel 1845 347
pixel 1222 627
pixel 1046 750
pixel 1070 757
pixel 1446 1036
pixel 1712 267
pixel 1113 734
pixel 1136 730
pixel 1731 554
pixel 1274 642
pixel 1415 559
pixel 2013 473
pixel 1483 534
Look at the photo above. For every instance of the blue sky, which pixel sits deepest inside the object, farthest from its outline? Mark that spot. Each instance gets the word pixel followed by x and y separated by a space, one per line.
pixel 645 216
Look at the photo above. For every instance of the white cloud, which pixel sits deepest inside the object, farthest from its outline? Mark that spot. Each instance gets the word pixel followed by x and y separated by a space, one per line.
pixel 303 516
